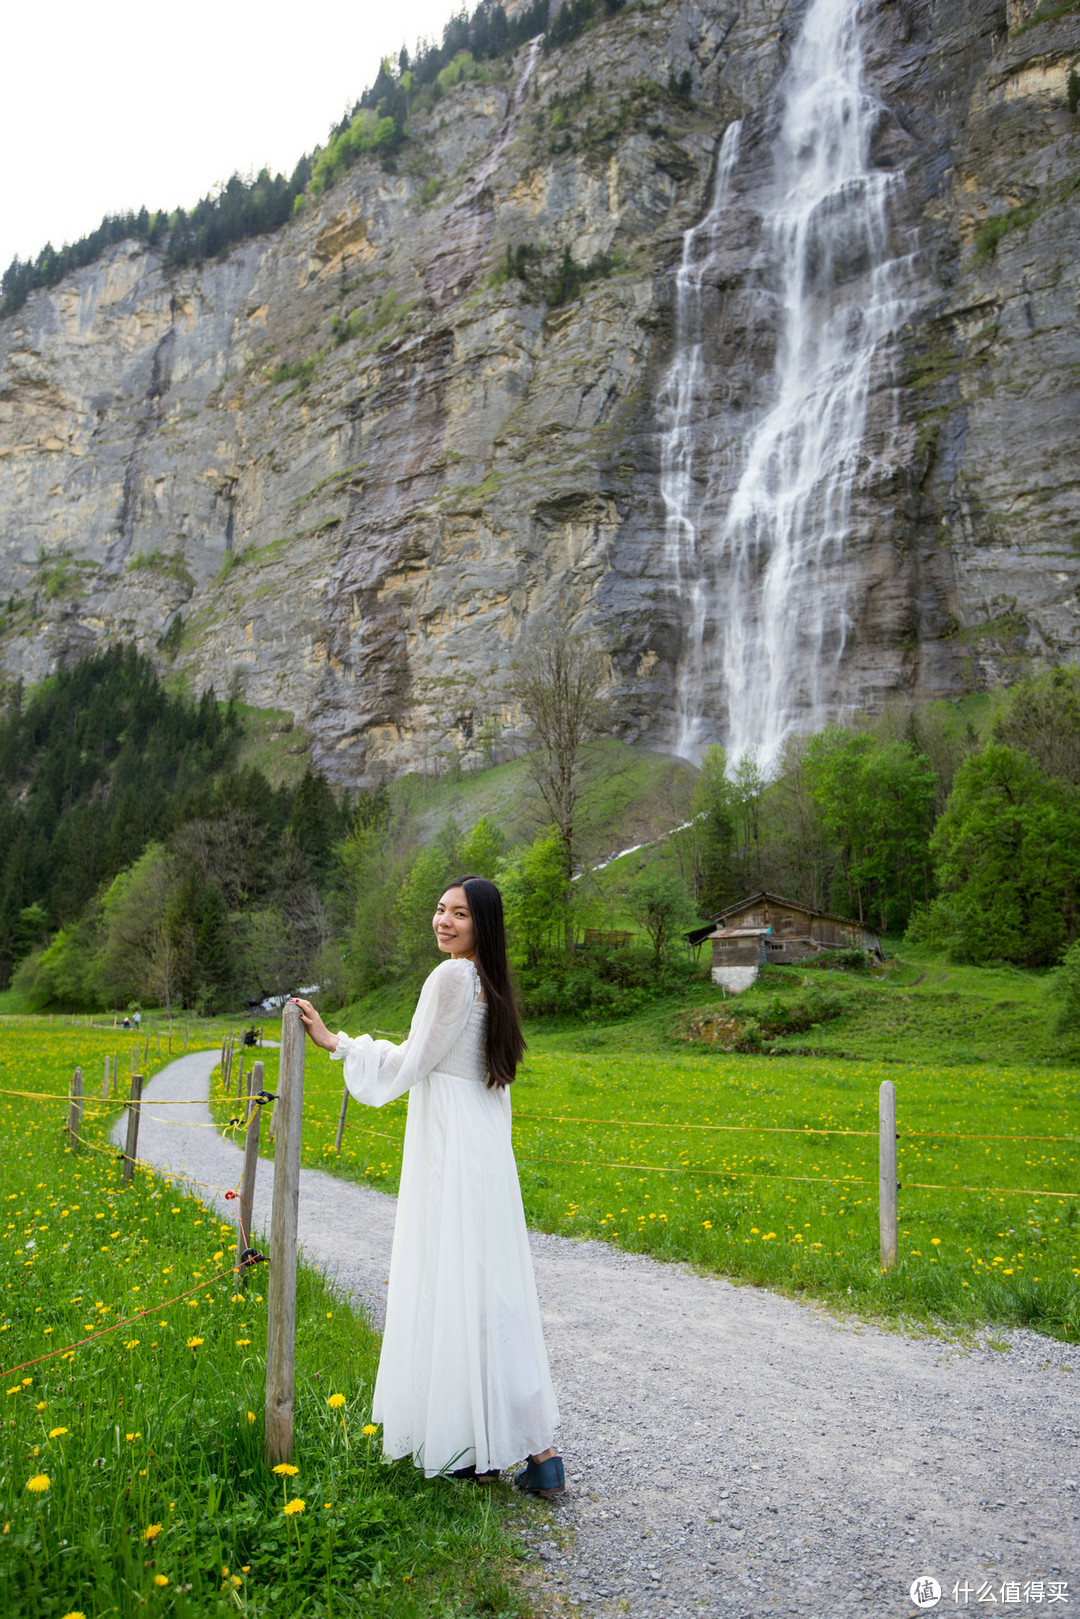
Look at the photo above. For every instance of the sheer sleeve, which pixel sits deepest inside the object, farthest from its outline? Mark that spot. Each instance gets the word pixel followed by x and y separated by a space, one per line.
pixel 377 1071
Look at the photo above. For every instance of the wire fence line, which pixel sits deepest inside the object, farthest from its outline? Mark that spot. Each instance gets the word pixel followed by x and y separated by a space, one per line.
pixel 888 1181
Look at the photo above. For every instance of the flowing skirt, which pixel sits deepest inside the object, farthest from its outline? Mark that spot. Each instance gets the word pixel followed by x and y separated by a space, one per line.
pixel 463 1376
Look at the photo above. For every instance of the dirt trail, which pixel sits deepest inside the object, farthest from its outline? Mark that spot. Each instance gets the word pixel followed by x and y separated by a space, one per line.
pixel 731 1452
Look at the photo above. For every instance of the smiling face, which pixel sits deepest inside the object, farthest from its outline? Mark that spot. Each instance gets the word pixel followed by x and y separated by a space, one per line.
pixel 453 924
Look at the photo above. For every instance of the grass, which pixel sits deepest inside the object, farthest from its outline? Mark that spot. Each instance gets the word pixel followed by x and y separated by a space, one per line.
pixel 634 795
pixel 272 742
pixel 132 1470
pixel 611 1146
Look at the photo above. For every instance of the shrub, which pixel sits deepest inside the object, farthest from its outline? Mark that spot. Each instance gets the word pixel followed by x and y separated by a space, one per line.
pixel 1066 992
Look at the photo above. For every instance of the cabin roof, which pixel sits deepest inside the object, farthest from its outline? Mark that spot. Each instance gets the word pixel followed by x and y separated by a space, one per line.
pixel 795 905
pixel 725 919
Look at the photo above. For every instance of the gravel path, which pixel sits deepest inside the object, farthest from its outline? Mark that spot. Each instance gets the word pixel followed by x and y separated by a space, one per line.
pixel 731 1452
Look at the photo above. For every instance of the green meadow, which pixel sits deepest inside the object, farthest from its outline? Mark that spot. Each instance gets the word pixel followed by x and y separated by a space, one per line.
pixel 131 1469
pixel 764 1167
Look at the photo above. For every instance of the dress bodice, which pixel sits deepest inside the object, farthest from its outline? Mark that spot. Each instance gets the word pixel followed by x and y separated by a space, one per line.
pixel 466 1058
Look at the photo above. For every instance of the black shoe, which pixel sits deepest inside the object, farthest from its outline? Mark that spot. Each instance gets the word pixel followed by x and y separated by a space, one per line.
pixel 490 1477
pixel 543 1478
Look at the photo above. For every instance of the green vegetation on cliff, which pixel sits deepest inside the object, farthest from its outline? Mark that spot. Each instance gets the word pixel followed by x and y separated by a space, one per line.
pixel 245 208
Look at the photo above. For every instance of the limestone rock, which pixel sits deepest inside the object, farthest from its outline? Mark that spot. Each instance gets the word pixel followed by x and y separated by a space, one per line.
pixel 354 459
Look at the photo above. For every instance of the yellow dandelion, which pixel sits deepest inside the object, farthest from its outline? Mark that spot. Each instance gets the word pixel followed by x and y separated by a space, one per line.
pixel 235 1581
pixel 251 1416
pixel 39 1483
pixel 193 1343
pixel 286 1470
pixel 78 1614
pixel 161 1579
pixel 336 1401
pixel 54 1433
pixel 153 1530
pixel 293 1506
pixel 369 1428
pixel 40 1406
pixel 242 1343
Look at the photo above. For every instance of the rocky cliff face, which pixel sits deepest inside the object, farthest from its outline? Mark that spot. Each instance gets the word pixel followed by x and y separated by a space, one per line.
pixel 344 469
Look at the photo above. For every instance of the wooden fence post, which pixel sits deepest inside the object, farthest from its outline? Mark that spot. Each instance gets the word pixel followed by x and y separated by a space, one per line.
pixel 115 1071
pixel 105 1081
pixel 281 1291
pixel 887 1185
pixel 134 1109
pixel 240 1075
pixel 74 1123
pixel 341 1119
pixel 251 1162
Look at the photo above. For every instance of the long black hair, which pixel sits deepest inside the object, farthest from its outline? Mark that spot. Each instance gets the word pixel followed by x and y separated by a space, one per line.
pixel 505 1043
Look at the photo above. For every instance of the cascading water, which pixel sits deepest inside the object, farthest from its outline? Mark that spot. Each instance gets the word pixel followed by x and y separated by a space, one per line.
pixel 756 526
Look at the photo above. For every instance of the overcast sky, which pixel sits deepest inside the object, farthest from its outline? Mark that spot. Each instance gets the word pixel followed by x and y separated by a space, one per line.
pixel 113 105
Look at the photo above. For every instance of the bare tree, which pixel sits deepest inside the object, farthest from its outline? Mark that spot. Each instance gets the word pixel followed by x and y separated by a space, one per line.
pixel 557 681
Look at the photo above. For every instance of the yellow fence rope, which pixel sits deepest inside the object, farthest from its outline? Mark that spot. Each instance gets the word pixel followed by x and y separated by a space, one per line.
pixel 665 1169
pixel 116 1325
pixel 992 1191
pixel 650 1124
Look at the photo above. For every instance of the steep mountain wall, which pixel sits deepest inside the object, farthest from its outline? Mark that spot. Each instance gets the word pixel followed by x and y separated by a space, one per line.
pixel 342 469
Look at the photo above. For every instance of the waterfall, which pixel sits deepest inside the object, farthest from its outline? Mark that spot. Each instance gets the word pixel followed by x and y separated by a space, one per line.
pixel 680 409
pixel 757 522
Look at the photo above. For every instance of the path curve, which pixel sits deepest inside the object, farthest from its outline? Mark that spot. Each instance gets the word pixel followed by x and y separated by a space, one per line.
pixel 732 1452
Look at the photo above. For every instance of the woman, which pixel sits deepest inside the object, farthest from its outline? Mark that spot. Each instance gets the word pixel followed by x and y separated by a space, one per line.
pixel 463 1383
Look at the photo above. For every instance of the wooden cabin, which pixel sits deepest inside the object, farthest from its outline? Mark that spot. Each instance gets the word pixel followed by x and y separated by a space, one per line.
pixel 766 928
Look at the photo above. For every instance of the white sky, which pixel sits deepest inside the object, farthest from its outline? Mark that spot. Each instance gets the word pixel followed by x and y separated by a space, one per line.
pixel 118 104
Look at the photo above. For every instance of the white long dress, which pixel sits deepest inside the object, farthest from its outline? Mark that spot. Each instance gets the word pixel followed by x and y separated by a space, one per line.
pixel 463 1376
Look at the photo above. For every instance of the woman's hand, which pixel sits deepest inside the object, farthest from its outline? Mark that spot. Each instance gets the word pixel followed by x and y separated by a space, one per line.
pixel 314 1024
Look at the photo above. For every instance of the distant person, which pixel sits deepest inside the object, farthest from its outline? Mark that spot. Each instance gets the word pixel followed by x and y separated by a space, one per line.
pixel 463 1384
pixel 251 1037
pixel 127 1022
pixel 138 1019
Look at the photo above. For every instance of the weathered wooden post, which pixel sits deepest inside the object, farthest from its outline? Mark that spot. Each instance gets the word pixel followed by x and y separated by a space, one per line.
pixel 341 1119
pixel 240 1074
pixel 134 1109
pixel 74 1123
pixel 115 1071
pixel 281 1292
pixel 105 1081
pixel 887 1186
